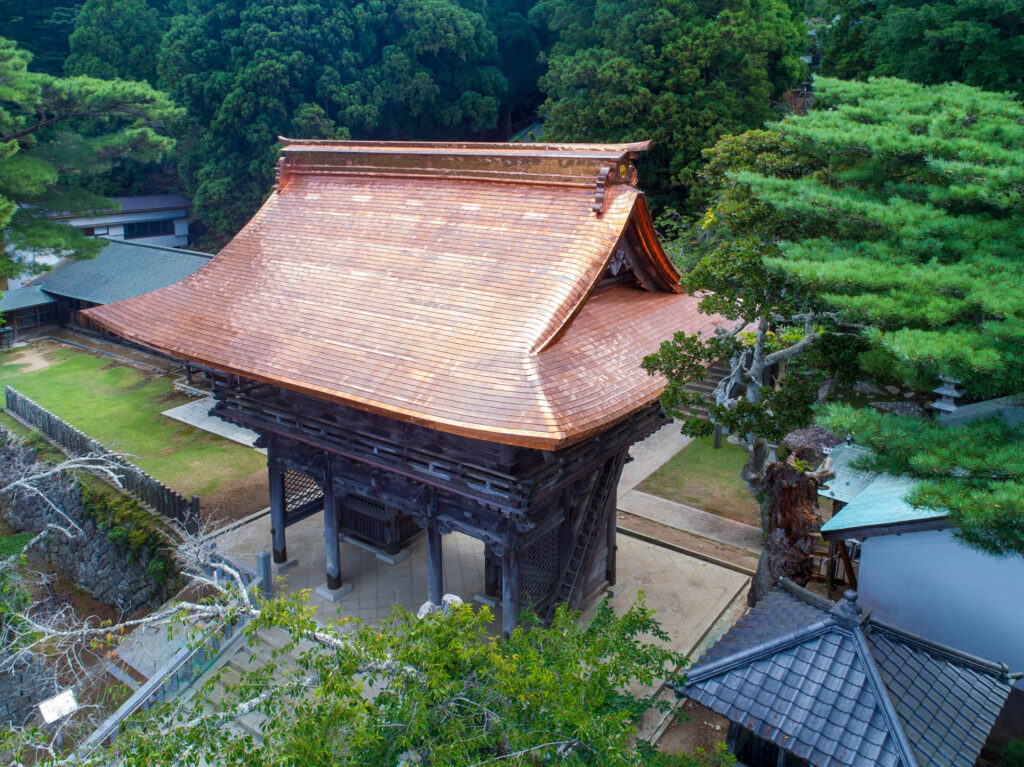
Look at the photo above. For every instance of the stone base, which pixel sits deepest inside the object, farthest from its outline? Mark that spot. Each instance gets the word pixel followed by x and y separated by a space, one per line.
pixel 285 566
pixel 615 589
pixel 383 556
pixel 333 596
pixel 483 599
pixel 392 559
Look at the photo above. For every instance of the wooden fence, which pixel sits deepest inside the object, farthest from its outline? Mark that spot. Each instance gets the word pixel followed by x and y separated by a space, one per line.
pixel 153 493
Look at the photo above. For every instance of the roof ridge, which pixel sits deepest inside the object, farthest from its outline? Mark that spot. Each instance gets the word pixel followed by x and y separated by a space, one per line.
pixel 815 600
pixel 155 247
pixel 936 648
pixel 766 648
pixel 882 694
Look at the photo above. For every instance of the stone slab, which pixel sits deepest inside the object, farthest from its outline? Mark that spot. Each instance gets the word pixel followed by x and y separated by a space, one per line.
pixel 688 594
pixel 333 595
pixel 197 414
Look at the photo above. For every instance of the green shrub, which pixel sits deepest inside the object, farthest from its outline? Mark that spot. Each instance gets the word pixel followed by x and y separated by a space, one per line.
pixel 12 544
pixel 1013 754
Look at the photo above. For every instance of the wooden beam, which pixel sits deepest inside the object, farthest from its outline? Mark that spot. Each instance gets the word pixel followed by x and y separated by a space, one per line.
pixel 844 554
pixel 830 568
pixel 435 562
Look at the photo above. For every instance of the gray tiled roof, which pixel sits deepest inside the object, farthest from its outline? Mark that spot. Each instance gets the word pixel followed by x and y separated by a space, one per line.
pixel 1010 410
pixel 835 688
pixel 146 202
pixel 23 298
pixel 120 270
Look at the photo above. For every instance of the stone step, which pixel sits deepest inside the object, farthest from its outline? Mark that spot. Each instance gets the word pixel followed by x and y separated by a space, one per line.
pixel 122 675
pixel 275 637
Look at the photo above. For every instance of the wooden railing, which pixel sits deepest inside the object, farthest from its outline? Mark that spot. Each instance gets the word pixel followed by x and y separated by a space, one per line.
pixel 152 492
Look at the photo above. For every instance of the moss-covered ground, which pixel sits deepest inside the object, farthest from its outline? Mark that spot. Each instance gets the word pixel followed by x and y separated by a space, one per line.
pixel 121 406
pixel 707 479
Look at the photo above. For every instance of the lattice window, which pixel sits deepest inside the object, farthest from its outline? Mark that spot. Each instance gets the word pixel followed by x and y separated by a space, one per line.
pixel 538 568
pixel 300 490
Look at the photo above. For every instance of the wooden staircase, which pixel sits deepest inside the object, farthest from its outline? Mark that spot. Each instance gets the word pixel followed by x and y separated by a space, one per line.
pixel 570 584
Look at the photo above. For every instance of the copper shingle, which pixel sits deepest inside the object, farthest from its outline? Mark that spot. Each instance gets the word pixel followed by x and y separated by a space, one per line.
pixel 432 295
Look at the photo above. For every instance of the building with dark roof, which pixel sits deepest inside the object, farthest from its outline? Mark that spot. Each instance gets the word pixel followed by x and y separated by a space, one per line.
pixel 913 572
pixel 151 219
pixel 121 270
pixel 805 681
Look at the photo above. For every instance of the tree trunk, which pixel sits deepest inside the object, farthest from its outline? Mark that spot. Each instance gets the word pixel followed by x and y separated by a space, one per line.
pixel 794 519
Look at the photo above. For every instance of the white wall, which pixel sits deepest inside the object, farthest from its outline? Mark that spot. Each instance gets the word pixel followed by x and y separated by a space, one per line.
pixel 115 226
pixel 929 584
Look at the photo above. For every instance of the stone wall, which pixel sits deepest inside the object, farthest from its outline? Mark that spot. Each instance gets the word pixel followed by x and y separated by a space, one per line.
pixel 93 561
pixel 21 690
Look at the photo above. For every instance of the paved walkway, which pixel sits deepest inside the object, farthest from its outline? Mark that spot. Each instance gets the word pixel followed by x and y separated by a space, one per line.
pixel 687 593
pixel 197 414
pixel 648 457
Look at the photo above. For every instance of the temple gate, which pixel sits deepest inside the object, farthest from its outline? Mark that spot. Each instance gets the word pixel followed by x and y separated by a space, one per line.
pixel 439 338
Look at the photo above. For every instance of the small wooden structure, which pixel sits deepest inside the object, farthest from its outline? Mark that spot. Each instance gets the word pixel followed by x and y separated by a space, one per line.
pixel 439 337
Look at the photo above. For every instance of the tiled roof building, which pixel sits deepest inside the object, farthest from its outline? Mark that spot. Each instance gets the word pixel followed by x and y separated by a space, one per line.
pixel 454 286
pixel 831 687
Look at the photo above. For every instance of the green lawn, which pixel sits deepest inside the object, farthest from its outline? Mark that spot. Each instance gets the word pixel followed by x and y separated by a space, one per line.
pixel 121 407
pixel 708 479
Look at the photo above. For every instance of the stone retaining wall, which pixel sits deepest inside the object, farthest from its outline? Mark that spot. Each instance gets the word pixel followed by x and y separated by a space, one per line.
pixel 94 562
pixel 21 690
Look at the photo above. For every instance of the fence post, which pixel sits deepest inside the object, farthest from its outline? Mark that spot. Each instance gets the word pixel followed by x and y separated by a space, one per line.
pixel 265 572
pixel 192 525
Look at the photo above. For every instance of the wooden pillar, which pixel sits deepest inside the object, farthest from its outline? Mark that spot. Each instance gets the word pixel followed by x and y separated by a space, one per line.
pixel 830 569
pixel 611 509
pixel 510 582
pixel 277 501
pixel 851 576
pixel 492 573
pixel 331 540
pixel 435 562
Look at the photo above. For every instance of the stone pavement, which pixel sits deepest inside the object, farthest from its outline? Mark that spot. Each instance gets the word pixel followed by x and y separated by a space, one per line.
pixel 648 456
pixel 197 414
pixel 687 593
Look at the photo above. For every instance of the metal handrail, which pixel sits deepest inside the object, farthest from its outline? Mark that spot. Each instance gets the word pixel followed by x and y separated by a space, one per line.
pixel 168 679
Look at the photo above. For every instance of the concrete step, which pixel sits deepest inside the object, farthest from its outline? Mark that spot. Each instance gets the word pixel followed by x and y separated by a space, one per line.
pixel 122 675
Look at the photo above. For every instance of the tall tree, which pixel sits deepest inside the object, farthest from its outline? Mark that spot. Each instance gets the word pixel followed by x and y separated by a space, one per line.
pixel 679 72
pixel 115 38
pixel 891 213
pixel 40 27
pixel 56 136
pixel 977 42
pixel 248 72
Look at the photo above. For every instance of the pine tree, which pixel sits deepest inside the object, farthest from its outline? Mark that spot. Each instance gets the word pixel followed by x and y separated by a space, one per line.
pixel 892 214
pixel 56 136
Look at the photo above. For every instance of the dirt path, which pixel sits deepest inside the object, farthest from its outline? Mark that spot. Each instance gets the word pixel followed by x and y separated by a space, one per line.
pixel 34 357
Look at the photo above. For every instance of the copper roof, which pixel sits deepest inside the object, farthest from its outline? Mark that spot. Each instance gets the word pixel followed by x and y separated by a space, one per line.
pixel 451 285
